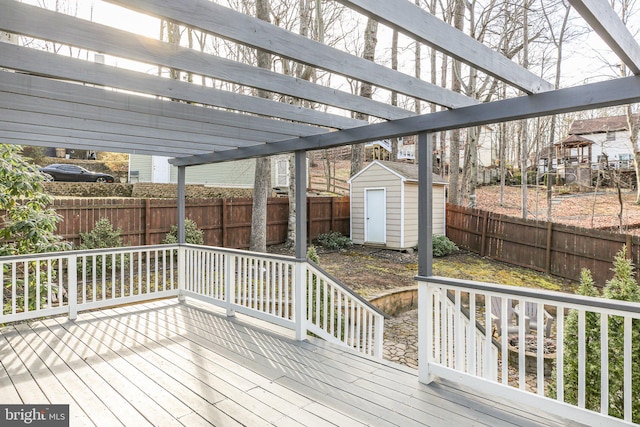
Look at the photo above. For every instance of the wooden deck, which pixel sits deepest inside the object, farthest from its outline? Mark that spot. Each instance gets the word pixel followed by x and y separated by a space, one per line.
pixel 167 363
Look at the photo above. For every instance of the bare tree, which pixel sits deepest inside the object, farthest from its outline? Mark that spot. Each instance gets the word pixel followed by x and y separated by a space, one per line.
pixel 262 181
pixel 456 86
pixel 366 91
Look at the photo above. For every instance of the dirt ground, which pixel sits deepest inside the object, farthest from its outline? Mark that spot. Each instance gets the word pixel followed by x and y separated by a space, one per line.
pixel 372 271
pixel 587 209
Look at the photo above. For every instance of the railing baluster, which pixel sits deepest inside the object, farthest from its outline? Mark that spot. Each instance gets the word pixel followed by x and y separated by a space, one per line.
pixel 472 334
pixel 628 408
pixel 560 354
pixel 540 337
pixel 604 363
pixel 581 358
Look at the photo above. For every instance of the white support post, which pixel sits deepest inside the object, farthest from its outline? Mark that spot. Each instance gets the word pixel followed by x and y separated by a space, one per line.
pixel 300 306
pixel 425 334
pixel 425 254
pixel 72 291
pixel 300 301
pixel 230 283
pixel 182 266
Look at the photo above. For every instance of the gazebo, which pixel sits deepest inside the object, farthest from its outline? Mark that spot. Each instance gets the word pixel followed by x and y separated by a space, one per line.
pixel 179 362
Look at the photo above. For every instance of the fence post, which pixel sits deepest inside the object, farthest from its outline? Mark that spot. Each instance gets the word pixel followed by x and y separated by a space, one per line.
pixel 485 221
pixel 147 221
pixel 72 291
pixel 223 223
pixel 548 248
pixel 230 283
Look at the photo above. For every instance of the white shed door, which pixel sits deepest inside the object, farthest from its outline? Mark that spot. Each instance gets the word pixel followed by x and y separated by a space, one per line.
pixel 160 172
pixel 375 216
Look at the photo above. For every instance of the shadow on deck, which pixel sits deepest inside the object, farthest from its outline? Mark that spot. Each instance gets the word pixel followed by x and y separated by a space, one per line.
pixel 166 362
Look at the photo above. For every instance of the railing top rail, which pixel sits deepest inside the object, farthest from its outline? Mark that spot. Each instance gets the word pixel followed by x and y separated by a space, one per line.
pixel 63 254
pixel 558 297
pixel 348 289
pixel 243 252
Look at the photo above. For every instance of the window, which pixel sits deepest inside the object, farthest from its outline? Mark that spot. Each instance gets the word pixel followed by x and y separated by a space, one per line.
pixel 611 135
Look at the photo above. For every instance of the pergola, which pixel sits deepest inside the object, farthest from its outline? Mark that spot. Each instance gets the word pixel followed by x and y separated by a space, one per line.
pixel 49 99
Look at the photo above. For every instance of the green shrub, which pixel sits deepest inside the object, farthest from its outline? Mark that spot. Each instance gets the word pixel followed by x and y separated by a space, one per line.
pixel 622 287
pixel 334 240
pixel 442 246
pixel 193 235
pixel 102 236
pixel 312 255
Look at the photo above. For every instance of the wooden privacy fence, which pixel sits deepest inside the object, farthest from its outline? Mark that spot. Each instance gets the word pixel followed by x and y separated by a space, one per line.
pixel 556 249
pixel 225 222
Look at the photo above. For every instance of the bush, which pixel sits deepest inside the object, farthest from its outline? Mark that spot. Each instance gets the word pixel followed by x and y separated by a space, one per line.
pixel 622 287
pixel 334 240
pixel 102 236
pixel 193 235
pixel 442 246
pixel 312 255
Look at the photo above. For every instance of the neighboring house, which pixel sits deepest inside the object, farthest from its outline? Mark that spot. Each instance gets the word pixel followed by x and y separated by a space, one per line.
pixel 381 150
pixel 229 174
pixel 384 205
pixel 592 144
pixel 608 137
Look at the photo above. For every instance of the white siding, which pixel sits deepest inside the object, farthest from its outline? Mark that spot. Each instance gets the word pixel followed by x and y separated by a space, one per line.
pixel 239 173
pixel 142 165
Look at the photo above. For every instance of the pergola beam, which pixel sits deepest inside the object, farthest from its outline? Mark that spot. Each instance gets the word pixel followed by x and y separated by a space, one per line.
pixel 604 20
pixel 241 28
pixel 416 23
pixel 591 96
pixel 48 64
pixel 40 23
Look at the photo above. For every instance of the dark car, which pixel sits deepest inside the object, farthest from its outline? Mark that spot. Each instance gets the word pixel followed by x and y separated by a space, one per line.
pixel 73 173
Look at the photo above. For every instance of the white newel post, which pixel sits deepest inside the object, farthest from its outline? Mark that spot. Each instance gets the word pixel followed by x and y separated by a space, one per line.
pixel 379 337
pixel 425 337
pixel 230 283
pixel 72 291
pixel 300 300
pixel 182 272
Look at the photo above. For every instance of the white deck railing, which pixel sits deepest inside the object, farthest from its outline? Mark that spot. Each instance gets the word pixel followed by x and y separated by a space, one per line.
pixel 67 282
pixel 263 286
pixel 448 347
pixel 339 315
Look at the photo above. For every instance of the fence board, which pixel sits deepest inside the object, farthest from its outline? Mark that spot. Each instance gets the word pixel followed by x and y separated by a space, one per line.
pixel 225 222
pixel 556 249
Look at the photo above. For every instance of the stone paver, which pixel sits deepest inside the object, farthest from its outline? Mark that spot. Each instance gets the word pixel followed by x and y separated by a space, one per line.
pixel 401 339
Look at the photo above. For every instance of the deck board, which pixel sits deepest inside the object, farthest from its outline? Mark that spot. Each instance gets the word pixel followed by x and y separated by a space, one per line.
pixel 171 363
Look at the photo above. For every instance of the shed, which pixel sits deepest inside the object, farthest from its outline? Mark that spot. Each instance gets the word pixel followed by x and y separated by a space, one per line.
pixel 384 205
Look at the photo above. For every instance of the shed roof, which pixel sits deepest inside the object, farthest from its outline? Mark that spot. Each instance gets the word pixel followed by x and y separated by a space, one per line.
pixel 406 171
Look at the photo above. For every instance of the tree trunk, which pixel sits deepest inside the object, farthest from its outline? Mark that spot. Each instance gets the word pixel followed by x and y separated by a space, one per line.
pixel 456 86
pixel 370 41
pixel 262 180
pixel 394 95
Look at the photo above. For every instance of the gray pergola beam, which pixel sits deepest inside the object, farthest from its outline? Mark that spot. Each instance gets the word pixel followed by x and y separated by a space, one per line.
pixel 604 20
pixel 241 28
pixel 416 23
pixel 586 97
pixel 52 65
pixel 40 23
